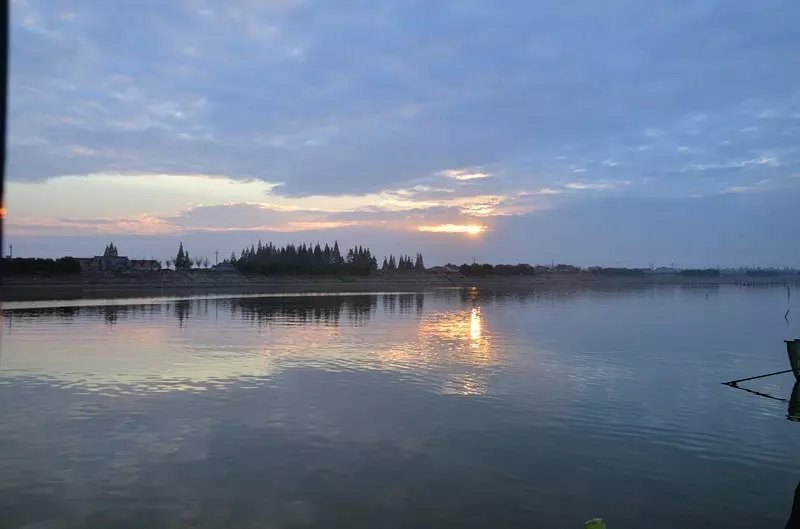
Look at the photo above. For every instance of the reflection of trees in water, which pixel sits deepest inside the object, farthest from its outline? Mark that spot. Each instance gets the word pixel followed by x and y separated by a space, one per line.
pixel 389 303
pixel 108 313
pixel 111 314
pixel 403 303
pixel 306 309
pixel 46 312
pixel 182 310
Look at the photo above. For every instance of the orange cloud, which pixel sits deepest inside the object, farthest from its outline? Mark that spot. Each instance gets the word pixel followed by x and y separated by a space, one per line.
pixel 469 229
pixel 138 225
pixel 291 226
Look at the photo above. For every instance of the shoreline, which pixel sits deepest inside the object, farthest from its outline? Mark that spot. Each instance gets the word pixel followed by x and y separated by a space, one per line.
pixel 153 285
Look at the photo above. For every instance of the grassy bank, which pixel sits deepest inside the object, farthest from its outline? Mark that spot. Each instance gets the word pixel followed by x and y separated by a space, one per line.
pixel 171 283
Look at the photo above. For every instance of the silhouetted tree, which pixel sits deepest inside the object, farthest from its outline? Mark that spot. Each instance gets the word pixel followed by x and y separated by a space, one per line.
pixel 405 263
pixel 111 251
pixel 419 265
pixel 337 257
pixel 182 261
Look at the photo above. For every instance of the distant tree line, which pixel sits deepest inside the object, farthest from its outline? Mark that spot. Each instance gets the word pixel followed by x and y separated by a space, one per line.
pixel 317 260
pixel 37 266
pixel 403 264
pixel 476 269
pixel 764 273
pixel 700 272
pixel 304 259
pixel 616 271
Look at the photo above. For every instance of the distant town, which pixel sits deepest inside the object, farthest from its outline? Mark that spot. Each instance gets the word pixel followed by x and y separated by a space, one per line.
pixel 268 259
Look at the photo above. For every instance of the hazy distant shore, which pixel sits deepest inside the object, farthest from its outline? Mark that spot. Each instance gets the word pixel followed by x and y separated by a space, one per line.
pixel 171 284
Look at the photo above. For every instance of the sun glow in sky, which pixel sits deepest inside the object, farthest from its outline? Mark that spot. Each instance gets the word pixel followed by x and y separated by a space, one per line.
pixel 469 229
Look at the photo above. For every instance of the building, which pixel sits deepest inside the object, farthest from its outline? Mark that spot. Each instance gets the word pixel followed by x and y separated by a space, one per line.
pixel 101 263
pixel 663 270
pixel 111 264
pixel 225 267
pixel 145 265
pixel 567 269
pixel 85 262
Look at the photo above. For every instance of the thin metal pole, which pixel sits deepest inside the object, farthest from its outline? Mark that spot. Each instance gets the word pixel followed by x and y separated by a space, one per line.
pixel 734 382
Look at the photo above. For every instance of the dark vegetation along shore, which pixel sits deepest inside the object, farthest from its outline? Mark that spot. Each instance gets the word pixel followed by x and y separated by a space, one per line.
pixel 265 268
pixel 171 283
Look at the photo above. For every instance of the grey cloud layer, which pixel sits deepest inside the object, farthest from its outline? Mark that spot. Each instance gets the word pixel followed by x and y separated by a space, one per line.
pixel 364 96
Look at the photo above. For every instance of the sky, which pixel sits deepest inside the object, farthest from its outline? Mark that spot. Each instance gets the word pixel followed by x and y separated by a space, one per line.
pixel 630 132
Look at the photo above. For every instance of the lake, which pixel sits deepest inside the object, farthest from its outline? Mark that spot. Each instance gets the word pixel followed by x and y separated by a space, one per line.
pixel 453 408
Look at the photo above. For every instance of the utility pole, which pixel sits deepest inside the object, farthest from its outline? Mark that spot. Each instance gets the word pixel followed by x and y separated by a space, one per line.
pixel 10 251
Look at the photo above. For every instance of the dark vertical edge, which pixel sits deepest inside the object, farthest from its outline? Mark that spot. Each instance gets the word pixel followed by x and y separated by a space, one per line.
pixel 793 349
pixel 4 51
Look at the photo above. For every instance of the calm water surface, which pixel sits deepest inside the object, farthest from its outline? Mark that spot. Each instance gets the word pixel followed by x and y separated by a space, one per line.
pixel 455 408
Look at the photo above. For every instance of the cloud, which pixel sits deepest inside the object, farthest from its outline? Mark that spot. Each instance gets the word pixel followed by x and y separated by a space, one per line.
pixel 547 191
pixel 464 174
pixel 143 224
pixel 763 160
pixel 169 203
pixel 756 187
pixel 586 185
pixel 596 186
